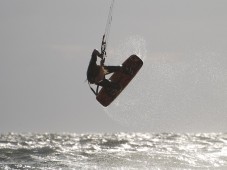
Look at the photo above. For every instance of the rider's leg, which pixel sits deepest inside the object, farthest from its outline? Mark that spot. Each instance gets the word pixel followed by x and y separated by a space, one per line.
pixel 112 69
pixel 108 84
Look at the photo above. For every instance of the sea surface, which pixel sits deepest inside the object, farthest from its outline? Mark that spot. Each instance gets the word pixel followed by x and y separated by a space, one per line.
pixel 113 151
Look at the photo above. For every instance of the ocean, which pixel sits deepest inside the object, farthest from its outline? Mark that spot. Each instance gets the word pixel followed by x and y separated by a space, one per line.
pixel 113 151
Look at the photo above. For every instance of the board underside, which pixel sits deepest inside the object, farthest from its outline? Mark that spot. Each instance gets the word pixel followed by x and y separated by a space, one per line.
pixel 106 96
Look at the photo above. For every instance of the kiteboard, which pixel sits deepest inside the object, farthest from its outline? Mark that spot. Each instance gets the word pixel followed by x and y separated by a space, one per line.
pixel 107 96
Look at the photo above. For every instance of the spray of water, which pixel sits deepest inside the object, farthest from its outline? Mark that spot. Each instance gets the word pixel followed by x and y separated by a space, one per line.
pixel 172 90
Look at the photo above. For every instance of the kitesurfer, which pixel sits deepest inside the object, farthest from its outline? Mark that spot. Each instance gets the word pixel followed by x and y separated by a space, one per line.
pixel 96 73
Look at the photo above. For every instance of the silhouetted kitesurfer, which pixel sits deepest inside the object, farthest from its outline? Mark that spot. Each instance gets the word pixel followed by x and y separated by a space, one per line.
pixel 122 75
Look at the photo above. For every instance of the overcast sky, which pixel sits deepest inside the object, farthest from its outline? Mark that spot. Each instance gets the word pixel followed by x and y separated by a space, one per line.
pixel 45 47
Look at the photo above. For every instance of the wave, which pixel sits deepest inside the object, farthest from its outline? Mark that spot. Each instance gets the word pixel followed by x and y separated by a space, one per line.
pixel 109 151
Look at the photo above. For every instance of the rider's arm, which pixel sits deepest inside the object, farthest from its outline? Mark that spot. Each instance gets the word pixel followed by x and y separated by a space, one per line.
pixel 97 53
pixel 94 55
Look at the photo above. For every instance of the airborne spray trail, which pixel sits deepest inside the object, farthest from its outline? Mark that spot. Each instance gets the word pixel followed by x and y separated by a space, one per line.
pixel 172 90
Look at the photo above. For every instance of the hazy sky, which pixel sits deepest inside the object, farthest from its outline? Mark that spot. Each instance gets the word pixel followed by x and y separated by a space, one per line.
pixel 45 47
